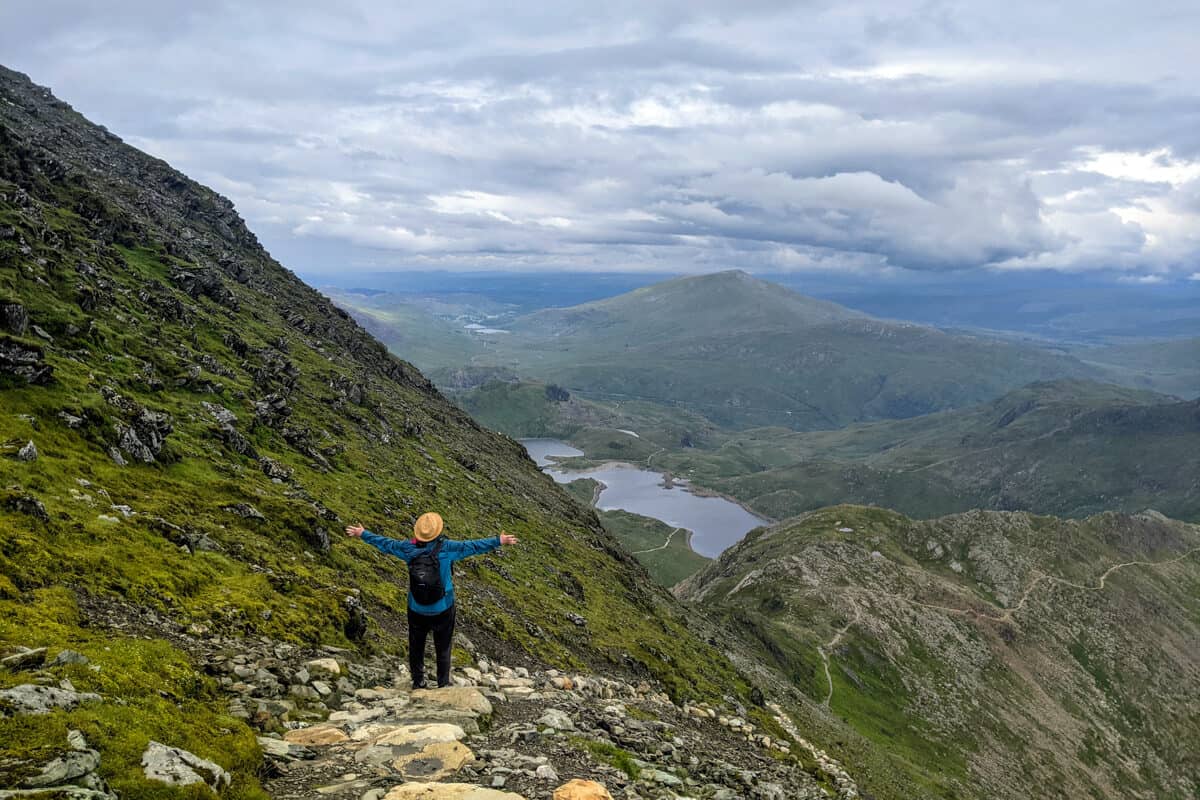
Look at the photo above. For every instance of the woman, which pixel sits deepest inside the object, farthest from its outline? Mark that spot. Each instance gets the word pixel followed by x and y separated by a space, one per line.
pixel 430 586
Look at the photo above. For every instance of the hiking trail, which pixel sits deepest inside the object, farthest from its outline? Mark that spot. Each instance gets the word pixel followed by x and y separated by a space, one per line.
pixel 662 546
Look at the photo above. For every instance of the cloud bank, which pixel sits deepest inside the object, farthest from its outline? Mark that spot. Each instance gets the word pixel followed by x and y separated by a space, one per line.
pixel 669 136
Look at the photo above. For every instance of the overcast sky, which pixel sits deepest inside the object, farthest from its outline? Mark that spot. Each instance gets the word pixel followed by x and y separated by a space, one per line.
pixel 663 136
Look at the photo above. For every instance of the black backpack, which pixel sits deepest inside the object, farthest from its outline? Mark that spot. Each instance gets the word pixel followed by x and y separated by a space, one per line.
pixel 425 575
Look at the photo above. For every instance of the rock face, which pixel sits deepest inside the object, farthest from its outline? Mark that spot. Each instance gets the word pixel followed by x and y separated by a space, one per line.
pixel 14 318
pixel 180 768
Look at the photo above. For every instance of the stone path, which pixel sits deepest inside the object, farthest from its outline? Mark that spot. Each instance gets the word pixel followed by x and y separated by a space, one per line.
pixel 508 734
pixel 335 724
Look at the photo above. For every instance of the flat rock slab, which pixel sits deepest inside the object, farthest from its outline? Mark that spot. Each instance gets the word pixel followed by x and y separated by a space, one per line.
pixel 434 762
pixel 358 717
pixel 462 698
pixel 448 791
pixel 316 735
pixel 467 720
pixel 417 736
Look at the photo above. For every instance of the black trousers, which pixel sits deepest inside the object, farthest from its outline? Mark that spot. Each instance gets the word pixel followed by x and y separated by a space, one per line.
pixel 419 628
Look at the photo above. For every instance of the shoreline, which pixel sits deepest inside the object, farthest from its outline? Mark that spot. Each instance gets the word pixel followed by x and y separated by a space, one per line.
pixel 679 482
pixel 555 464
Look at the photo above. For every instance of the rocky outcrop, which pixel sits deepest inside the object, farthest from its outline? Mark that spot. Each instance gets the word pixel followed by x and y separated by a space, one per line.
pixel 70 775
pixel 23 362
pixel 31 698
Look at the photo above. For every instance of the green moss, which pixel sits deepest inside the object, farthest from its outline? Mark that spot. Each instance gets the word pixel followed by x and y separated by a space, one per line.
pixel 610 754
pixel 150 690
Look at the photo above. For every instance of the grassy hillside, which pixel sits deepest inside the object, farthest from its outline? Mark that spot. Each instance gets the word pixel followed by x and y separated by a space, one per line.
pixel 1070 448
pixel 204 424
pixel 984 655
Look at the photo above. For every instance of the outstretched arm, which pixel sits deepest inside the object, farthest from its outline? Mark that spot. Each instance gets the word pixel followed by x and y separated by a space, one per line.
pixel 394 547
pixel 475 547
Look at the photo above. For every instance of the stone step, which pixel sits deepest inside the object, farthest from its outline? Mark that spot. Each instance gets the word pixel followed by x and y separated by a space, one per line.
pixel 448 791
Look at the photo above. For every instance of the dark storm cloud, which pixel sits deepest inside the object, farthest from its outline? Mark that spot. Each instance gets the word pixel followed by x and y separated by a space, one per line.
pixel 681 136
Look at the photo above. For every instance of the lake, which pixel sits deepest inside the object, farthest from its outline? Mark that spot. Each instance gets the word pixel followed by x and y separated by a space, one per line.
pixel 715 523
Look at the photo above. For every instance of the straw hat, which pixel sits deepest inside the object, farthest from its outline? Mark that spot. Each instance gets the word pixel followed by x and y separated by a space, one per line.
pixel 428 527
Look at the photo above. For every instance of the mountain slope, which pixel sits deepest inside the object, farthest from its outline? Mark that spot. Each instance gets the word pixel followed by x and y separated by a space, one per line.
pixel 990 655
pixel 203 424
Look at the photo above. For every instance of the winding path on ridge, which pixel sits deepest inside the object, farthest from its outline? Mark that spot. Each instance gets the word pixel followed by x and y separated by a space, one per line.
pixel 662 546
pixel 826 649
pixel 652 455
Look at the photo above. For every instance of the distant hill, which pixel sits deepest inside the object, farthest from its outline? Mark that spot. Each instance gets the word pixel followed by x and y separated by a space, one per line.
pixel 745 352
pixel 1171 366
pixel 1065 447
pixel 989 655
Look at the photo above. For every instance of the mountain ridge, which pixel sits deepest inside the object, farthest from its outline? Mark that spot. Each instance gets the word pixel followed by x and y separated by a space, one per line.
pixel 1025 655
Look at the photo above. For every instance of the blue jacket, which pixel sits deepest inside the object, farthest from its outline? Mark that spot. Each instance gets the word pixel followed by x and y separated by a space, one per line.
pixel 451 551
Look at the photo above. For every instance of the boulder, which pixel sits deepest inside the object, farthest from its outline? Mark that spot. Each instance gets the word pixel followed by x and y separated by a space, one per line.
pixel 578 789
pixel 316 735
pixel 31 699
pixel 246 511
pixel 220 413
pixel 447 791
pixel 28 453
pixel 434 762
pixel 462 698
pixel 178 767
pixel 323 666
pixel 28 505
pixel 558 719
pixel 66 768
pixel 24 658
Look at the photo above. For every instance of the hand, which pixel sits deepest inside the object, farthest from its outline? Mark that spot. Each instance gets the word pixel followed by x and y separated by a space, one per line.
pixel 507 538
pixel 354 530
